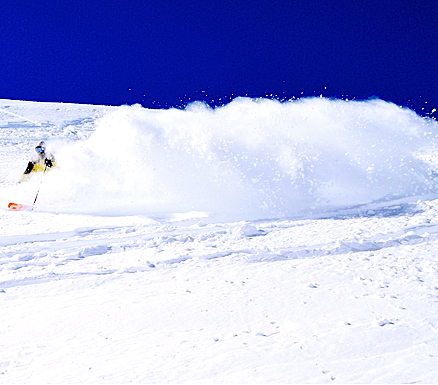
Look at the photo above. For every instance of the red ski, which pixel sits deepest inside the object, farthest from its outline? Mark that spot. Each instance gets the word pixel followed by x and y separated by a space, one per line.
pixel 18 206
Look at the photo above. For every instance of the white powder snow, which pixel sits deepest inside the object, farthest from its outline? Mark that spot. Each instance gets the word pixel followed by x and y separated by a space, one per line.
pixel 249 159
pixel 258 242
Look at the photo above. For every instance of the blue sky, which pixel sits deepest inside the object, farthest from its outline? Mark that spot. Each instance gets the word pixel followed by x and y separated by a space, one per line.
pixel 166 53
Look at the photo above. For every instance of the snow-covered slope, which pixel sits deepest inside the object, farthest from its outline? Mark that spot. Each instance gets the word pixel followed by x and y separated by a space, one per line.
pixel 259 242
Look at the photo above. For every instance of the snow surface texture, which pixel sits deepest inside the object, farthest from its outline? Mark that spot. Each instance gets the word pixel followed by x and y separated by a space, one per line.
pixel 259 242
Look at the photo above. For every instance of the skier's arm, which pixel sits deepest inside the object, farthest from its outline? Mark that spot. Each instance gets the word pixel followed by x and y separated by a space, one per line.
pixel 29 168
pixel 26 173
pixel 50 161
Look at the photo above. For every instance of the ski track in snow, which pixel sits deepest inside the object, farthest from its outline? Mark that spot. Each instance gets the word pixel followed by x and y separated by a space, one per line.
pixel 349 296
pixel 164 245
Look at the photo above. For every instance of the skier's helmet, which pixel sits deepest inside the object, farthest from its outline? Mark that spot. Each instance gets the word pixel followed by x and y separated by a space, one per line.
pixel 40 148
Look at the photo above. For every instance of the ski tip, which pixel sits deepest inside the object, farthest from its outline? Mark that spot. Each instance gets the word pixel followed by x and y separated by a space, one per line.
pixel 14 206
pixel 17 206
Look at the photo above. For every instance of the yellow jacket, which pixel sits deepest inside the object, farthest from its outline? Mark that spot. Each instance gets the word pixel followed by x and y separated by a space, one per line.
pixel 41 163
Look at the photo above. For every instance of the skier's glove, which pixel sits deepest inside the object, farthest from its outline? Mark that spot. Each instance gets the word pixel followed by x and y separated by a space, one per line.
pixel 48 162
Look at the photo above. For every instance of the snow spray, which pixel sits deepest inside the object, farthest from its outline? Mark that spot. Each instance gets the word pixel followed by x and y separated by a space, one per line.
pixel 249 159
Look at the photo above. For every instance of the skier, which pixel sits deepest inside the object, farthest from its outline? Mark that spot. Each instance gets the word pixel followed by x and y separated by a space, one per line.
pixel 41 162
